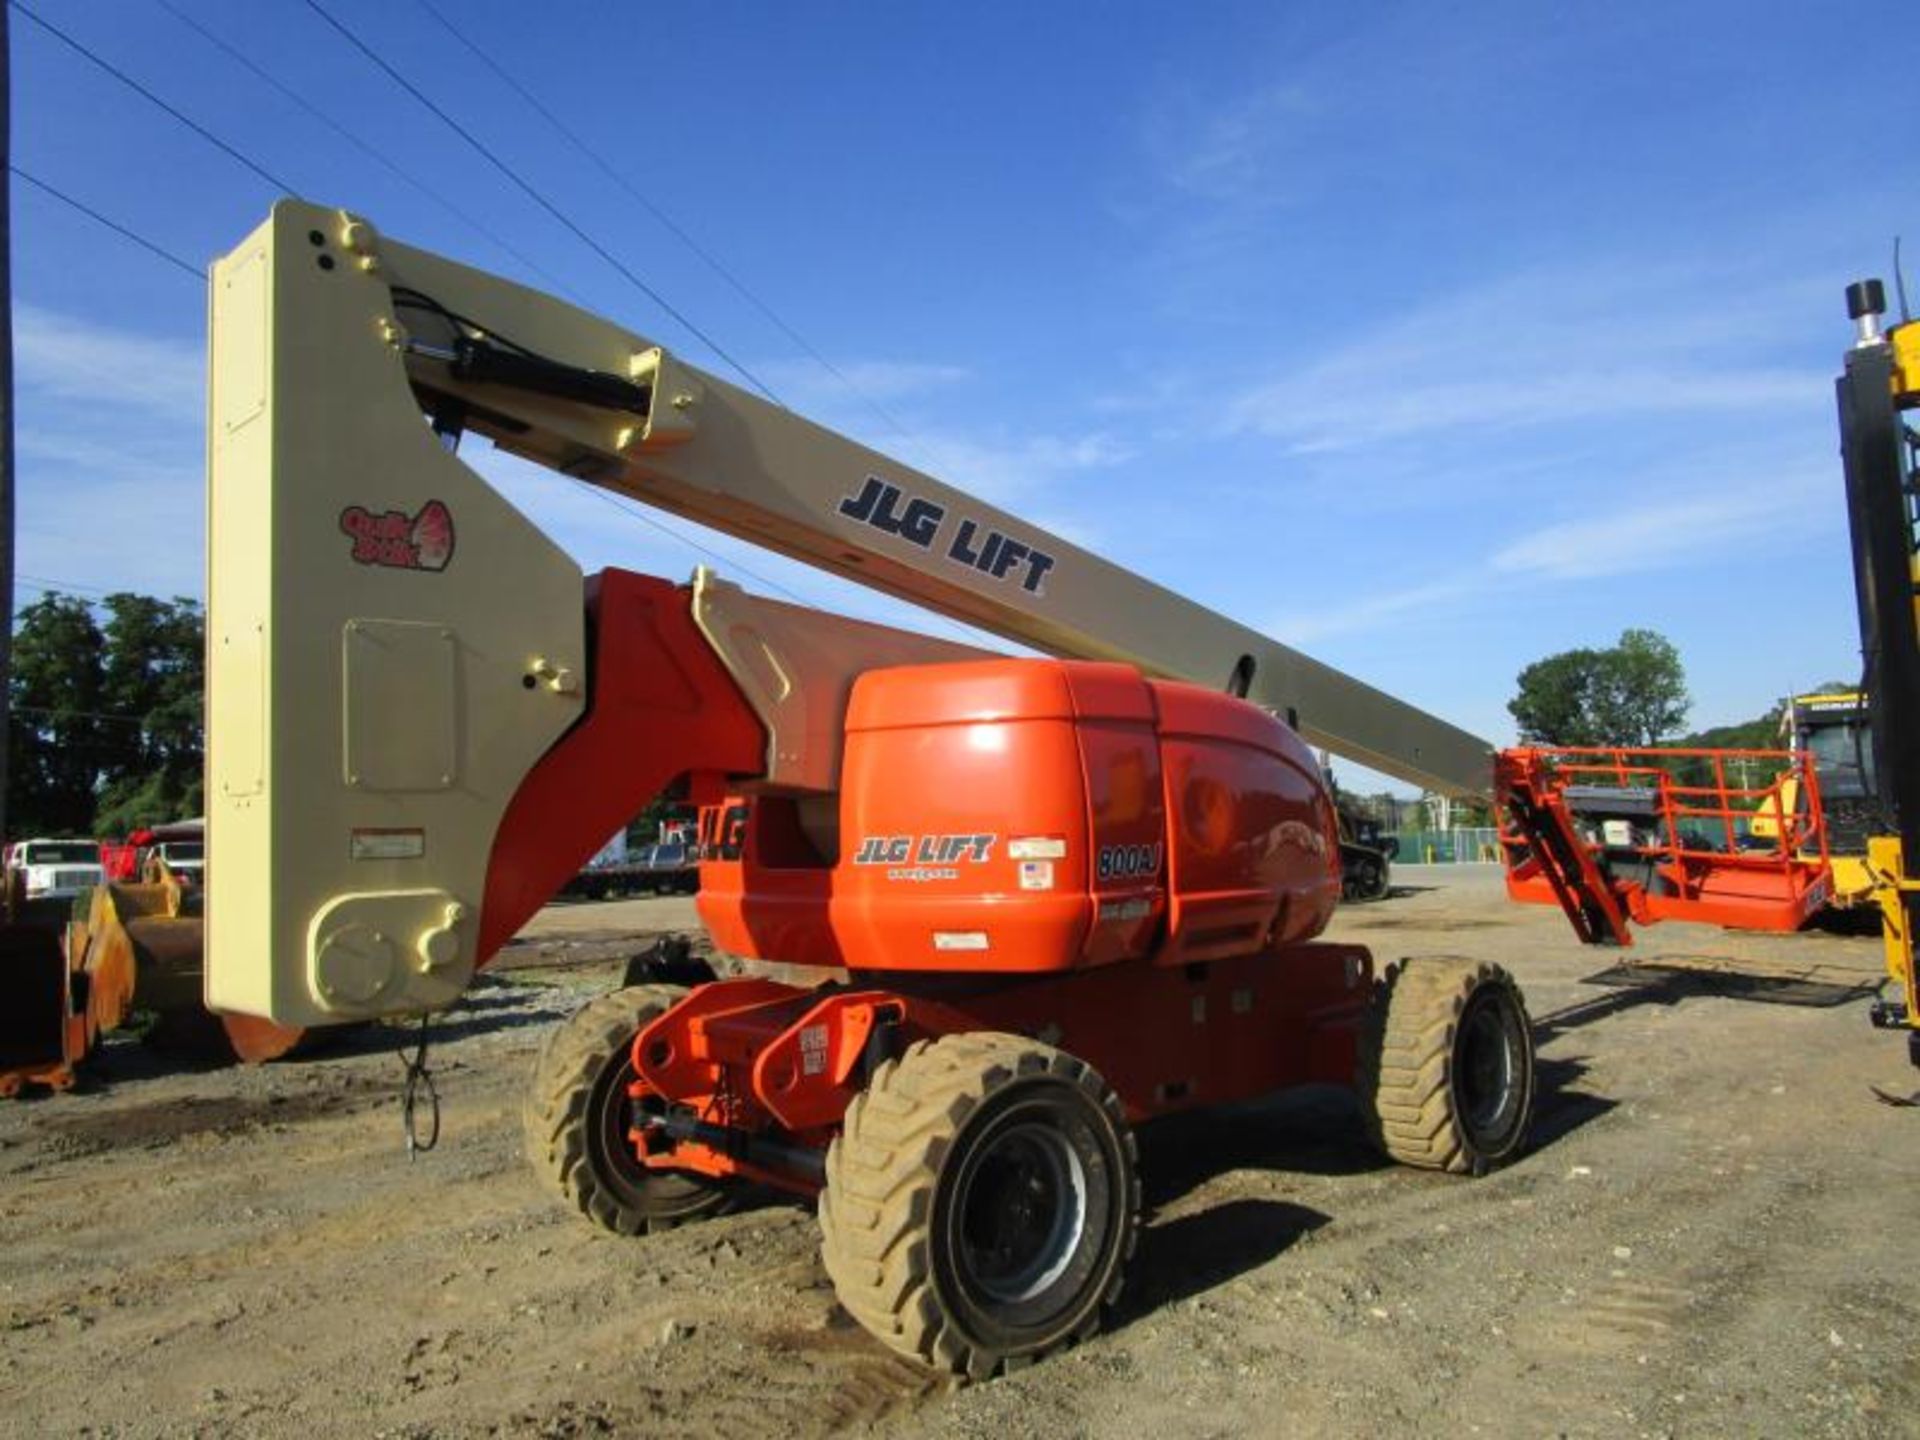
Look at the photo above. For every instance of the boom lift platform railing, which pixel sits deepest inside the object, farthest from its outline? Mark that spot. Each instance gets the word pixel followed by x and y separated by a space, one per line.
pixel 1622 836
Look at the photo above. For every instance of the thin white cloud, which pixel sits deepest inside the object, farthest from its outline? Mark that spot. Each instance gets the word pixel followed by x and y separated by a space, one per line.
pixel 1345 615
pixel 114 531
pixel 62 357
pixel 1658 533
pixel 1229 151
pixel 1005 469
pixel 73 455
pixel 1652 533
pixel 1577 344
pixel 808 385
pixel 111 456
pixel 1324 411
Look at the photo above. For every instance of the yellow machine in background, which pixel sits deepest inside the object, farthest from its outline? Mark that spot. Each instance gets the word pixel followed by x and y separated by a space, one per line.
pixel 1835 732
pixel 1881 454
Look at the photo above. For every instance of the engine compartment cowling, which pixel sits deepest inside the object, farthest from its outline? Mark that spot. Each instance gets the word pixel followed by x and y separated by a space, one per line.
pixel 1030 816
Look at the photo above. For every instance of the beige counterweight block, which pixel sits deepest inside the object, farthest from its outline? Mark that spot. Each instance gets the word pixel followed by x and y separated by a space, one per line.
pixel 376 611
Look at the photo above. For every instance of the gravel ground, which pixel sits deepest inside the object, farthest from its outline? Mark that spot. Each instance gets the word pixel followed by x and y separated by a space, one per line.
pixel 1704 1239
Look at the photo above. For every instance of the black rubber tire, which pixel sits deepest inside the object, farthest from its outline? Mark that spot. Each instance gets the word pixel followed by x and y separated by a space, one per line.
pixel 576 1118
pixel 1363 878
pixel 1446 1069
pixel 939 1138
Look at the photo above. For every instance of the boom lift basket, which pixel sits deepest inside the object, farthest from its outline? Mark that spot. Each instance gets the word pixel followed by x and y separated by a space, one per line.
pixel 1727 837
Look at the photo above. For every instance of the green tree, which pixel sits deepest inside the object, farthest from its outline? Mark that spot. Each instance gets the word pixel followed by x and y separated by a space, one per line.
pixel 1761 733
pixel 1642 695
pixel 644 829
pixel 107 718
pixel 1632 693
pixel 1554 705
pixel 155 670
pixel 1766 731
pixel 55 738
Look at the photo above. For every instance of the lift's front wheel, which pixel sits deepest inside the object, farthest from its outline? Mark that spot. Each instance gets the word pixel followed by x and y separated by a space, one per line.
pixel 1446 1065
pixel 981 1202
pixel 578 1116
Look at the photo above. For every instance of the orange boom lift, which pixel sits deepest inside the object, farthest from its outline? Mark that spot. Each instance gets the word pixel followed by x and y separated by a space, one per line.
pixel 1041 900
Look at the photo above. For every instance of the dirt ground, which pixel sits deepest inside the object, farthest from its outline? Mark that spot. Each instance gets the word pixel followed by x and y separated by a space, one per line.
pixel 1707 1237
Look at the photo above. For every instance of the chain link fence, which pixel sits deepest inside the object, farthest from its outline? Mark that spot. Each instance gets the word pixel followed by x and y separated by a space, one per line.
pixel 1462 845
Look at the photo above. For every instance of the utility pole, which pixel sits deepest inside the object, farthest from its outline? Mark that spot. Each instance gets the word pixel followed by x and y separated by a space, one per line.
pixel 6 404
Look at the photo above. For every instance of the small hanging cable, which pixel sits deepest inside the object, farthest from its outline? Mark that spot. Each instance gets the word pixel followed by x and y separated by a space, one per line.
pixel 418 1091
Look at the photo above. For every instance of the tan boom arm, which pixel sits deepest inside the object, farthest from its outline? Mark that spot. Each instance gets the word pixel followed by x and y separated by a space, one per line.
pixel 710 451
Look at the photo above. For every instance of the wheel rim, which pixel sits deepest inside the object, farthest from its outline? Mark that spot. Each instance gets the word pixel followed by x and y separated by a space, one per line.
pixel 1023 1212
pixel 1029 1215
pixel 614 1157
pixel 1488 1070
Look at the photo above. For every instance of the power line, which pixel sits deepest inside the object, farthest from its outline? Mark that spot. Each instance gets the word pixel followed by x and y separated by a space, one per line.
pixel 478 226
pixel 498 164
pixel 539 199
pixel 134 85
pixel 57 585
pixel 94 596
pixel 665 529
pixel 113 225
pixel 666 221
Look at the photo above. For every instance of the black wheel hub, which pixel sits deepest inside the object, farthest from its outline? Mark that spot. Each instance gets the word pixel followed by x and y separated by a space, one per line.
pixel 1026 1229
pixel 1022 1212
pixel 613 1115
pixel 1489 1070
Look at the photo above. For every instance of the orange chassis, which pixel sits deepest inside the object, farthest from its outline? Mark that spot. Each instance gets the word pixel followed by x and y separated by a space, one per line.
pixel 751 1078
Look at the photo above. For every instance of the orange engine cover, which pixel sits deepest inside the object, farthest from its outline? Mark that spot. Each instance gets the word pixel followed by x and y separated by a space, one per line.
pixel 1032 816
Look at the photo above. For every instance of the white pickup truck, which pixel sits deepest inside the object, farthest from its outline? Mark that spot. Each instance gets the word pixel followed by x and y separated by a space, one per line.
pixel 56 869
pixel 185 858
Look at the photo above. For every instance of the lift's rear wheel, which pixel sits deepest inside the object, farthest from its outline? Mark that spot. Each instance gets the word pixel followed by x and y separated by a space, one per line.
pixel 578 1115
pixel 1446 1065
pixel 981 1202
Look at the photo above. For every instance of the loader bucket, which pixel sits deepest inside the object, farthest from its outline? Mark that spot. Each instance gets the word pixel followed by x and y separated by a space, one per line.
pixel 36 1008
pixel 153 935
pixel 65 982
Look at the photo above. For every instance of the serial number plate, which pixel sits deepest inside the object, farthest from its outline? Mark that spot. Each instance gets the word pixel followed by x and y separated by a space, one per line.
pixel 387 844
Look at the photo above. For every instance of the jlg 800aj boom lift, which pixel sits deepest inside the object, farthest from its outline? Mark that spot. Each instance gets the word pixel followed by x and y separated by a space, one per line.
pixel 1065 895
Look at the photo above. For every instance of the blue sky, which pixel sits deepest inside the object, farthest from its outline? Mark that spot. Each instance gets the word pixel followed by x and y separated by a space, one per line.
pixel 1430 338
